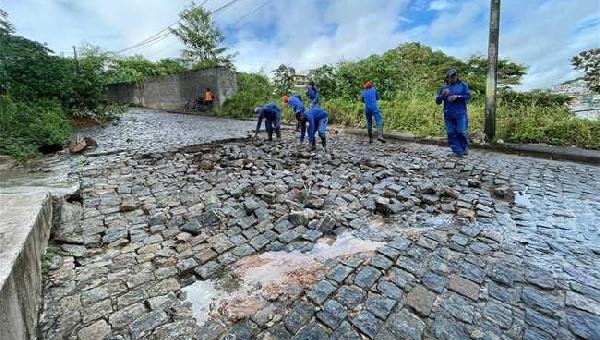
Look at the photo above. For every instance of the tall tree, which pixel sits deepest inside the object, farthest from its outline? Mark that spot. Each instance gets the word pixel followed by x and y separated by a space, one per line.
pixel 202 38
pixel 509 73
pixel 324 79
pixel 5 26
pixel 588 61
pixel 283 79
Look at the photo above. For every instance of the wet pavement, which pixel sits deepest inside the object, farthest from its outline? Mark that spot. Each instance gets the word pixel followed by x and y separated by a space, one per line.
pixel 249 240
pixel 146 131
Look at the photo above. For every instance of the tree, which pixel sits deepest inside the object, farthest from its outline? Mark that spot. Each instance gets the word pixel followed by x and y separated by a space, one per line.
pixel 5 26
pixel 202 38
pixel 509 73
pixel 324 79
pixel 588 61
pixel 283 79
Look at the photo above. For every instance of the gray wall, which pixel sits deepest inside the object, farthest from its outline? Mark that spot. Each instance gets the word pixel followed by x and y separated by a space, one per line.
pixel 173 91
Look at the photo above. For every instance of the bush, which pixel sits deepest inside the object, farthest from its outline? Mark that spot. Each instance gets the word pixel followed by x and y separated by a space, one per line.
pixel 420 116
pixel 24 127
pixel 253 90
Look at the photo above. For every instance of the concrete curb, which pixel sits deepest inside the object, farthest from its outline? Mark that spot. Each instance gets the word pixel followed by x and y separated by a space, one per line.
pixel 24 231
pixel 535 150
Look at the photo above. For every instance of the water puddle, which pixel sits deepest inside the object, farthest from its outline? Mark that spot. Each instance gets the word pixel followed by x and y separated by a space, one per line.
pixel 395 226
pixel 270 278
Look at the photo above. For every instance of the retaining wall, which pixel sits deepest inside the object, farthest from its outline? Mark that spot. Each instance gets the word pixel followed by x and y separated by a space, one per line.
pixel 24 231
pixel 173 91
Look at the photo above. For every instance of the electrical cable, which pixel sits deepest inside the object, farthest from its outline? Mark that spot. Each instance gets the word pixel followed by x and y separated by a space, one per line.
pixel 166 31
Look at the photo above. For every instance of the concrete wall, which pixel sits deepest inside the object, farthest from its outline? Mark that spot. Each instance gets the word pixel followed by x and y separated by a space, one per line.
pixel 173 91
pixel 24 232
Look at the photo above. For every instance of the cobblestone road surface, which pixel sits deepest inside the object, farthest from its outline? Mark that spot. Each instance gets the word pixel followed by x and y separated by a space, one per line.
pixel 486 247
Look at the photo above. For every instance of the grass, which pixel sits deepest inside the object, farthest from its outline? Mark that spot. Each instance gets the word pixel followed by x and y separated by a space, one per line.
pixel 26 125
pixel 417 114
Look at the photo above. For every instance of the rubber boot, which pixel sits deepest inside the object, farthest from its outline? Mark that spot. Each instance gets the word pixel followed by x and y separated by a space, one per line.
pixel 324 142
pixel 380 134
pixel 313 147
pixel 269 136
pixel 370 132
pixel 278 133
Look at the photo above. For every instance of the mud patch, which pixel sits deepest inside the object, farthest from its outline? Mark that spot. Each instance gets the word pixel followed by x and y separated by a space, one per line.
pixel 270 279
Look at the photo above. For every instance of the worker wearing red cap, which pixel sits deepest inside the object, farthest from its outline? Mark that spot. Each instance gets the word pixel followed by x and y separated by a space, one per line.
pixel 369 97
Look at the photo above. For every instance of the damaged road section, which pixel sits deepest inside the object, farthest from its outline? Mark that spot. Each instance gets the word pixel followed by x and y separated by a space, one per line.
pixel 266 241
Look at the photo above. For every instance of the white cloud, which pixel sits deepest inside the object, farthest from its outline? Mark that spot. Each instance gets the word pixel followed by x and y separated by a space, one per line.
pixel 541 34
pixel 438 5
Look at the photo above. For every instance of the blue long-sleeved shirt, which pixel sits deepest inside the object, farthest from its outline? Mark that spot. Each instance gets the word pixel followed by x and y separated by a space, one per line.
pixel 269 112
pixel 313 95
pixel 312 117
pixel 457 107
pixel 369 97
pixel 295 104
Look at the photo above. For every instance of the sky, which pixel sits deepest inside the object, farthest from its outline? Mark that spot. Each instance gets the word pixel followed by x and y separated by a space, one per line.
pixel 542 34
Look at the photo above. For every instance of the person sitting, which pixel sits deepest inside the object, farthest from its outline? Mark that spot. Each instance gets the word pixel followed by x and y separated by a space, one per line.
pixel 209 97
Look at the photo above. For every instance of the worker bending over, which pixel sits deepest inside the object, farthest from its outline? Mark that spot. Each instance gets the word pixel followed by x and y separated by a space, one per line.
pixel 271 114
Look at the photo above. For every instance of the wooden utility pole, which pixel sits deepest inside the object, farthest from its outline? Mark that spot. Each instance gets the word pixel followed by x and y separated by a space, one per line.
pixel 492 74
pixel 75 57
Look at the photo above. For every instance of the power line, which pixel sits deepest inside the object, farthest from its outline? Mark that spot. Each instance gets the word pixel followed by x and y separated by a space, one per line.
pixel 166 31
pixel 251 12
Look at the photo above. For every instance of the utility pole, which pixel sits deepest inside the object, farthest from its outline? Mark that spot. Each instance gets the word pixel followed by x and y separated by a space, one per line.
pixel 492 74
pixel 75 57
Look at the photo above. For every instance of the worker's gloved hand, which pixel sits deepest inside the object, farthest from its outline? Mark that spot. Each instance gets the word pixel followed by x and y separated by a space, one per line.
pixel 445 92
pixel 452 98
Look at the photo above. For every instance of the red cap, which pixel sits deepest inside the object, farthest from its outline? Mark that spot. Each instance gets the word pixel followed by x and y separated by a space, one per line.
pixel 368 85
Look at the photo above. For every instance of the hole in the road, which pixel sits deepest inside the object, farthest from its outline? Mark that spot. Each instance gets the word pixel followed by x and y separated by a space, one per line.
pixel 76 197
pixel 257 282
pixel 50 148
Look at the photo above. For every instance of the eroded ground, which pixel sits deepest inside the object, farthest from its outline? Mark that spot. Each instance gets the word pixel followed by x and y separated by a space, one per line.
pixel 249 240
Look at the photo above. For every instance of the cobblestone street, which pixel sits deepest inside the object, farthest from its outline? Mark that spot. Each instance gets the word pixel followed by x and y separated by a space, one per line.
pixel 245 239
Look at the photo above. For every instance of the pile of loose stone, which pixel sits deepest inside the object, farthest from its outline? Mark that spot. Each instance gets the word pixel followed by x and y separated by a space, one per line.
pixel 457 262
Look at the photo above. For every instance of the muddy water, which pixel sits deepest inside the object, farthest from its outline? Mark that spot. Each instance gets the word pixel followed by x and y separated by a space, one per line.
pixel 269 277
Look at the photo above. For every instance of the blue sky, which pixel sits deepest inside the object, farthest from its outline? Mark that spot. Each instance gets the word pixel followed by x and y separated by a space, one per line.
pixel 543 34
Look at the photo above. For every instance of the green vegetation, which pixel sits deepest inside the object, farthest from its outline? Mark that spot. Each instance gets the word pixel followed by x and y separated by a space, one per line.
pixel 409 76
pixel 24 126
pixel 202 39
pixel 43 92
pixel 253 90
pixel 588 61
pixel 283 79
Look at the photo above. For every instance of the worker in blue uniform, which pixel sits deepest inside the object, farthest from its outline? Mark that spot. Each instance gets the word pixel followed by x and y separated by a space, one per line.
pixel 271 114
pixel 317 121
pixel 369 97
pixel 455 95
pixel 313 95
pixel 296 105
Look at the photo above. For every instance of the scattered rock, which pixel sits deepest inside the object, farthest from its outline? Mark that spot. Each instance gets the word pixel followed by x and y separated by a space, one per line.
pixel 504 192
pixel 467 213
pixel 90 142
pixel 77 146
